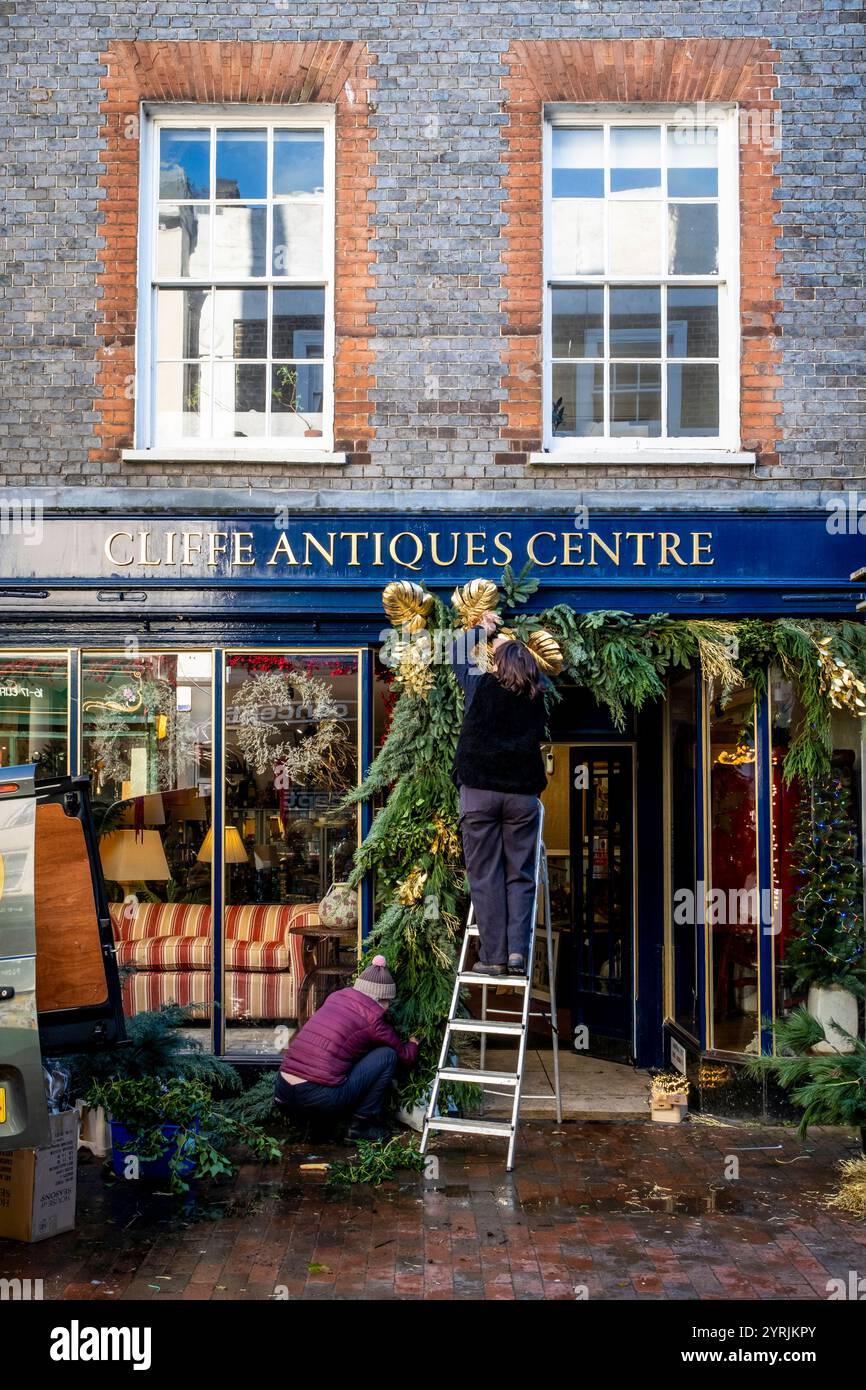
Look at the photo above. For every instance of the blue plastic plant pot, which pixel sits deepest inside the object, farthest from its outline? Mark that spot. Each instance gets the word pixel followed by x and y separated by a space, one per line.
pixel 152 1168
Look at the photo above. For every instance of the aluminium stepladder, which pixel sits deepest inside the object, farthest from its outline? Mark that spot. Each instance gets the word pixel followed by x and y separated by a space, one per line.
pixel 515 1025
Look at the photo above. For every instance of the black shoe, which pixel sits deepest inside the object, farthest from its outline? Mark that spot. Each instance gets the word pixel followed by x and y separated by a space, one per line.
pixel 516 964
pixel 479 968
pixel 367 1130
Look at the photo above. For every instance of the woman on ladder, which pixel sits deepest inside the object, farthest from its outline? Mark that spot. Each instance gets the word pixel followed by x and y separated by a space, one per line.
pixel 499 770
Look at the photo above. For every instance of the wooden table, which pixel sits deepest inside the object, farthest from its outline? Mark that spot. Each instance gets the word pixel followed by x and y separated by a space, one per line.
pixel 322 959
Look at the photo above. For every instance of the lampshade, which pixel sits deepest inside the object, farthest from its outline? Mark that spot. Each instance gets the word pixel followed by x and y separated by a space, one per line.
pixel 130 858
pixel 152 810
pixel 234 852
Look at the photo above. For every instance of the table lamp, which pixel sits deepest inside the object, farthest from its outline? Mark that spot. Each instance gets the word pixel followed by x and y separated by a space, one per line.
pixel 233 848
pixel 130 856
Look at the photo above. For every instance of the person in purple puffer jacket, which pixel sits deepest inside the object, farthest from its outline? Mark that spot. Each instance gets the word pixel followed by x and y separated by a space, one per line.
pixel 342 1061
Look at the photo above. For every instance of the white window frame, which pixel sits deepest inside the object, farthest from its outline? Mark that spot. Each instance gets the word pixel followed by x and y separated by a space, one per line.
pixel 662 448
pixel 153 118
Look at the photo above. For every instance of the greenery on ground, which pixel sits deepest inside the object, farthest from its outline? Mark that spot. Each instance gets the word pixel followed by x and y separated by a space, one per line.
pixel 377 1161
pixel 158 1045
pixel 829 1087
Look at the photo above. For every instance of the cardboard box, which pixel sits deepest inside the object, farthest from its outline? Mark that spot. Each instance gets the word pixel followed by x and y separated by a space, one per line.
pixel 37 1186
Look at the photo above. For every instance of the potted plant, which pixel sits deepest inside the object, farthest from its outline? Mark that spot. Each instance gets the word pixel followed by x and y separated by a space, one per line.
pixel 174 1129
pixel 156 1045
pixel 285 397
pixel 825 953
pixel 828 1083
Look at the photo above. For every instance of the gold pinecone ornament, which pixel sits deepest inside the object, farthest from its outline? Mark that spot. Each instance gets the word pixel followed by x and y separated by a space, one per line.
pixel 406 604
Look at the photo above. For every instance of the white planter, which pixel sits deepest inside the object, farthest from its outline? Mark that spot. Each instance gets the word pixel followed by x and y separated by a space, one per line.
pixel 95 1133
pixel 831 1004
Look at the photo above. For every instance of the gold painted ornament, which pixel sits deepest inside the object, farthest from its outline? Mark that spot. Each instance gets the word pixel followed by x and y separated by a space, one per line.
pixel 546 650
pixel 406 604
pixel 411 889
pixel 471 601
pixel 414 670
pixel 446 840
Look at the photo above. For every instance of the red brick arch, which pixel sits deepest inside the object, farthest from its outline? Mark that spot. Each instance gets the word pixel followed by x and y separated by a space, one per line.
pixel 652 71
pixel 261 73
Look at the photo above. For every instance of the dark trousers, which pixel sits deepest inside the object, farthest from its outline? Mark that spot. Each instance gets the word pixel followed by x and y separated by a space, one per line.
pixel 500 831
pixel 361 1094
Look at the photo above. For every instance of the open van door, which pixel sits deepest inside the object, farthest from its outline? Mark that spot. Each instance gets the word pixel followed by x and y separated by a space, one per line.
pixel 59 986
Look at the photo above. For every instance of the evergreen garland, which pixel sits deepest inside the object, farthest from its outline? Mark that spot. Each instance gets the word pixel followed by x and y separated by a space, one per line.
pixel 413 846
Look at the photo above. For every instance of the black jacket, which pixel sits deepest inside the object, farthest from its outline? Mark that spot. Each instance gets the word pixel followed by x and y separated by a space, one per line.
pixel 499 748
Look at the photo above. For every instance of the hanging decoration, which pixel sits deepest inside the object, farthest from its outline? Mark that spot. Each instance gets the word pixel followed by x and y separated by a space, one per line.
pixel 623 661
pixel 318 749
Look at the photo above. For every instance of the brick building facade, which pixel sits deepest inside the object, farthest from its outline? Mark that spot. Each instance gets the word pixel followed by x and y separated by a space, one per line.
pixel 438 319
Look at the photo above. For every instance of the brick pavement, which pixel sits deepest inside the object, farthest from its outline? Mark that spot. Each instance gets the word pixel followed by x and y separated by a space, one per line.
pixel 598 1210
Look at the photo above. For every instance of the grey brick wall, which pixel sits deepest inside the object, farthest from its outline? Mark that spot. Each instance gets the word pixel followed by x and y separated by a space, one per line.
pixel 437 311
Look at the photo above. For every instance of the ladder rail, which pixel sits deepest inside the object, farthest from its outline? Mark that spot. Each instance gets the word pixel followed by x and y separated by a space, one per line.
pixel 516 1026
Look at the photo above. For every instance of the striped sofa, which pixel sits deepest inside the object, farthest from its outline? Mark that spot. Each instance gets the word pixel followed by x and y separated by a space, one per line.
pixel 165 955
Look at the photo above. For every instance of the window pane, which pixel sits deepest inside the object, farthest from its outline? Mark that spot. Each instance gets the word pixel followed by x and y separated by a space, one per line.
pixel 578 398
pixel 693 157
pixel 635 399
pixel 693 399
pixel 299 323
pixel 733 906
pixel 578 237
pixel 241 164
pixel 635 238
pixel 241 323
pixel 178 401
pixel 635 321
pixel 299 162
pixel 296 399
pixel 147 741
pixel 635 159
pixel 578 322
pixel 33 713
pixel 693 321
pixel 298 237
pixel 184 163
pixel 181 316
pixel 183 241
pixel 240 241
pixel 578 163
pixel 239 400
pixel 693 238
pixel 289 835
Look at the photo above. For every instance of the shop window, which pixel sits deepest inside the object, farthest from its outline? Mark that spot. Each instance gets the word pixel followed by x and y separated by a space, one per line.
pixel 683 939
pixel 236 309
pixel 788 807
pixel 641 234
pixel 146 745
pixel 291 755
pixel 733 899
pixel 34 711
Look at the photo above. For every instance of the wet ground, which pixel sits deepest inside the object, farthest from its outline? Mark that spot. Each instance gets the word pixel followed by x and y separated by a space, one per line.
pixel 613 1210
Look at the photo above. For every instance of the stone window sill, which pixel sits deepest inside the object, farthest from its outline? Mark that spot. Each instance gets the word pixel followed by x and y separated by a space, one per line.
pixel 641 457
pixel 222 454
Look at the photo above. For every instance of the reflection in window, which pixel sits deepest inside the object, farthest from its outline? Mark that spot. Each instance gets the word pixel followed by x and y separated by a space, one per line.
pixel 734 900
pixel 34 711
pixel 682 713
pixel 846 761
pixel 291 737
pixel 146 745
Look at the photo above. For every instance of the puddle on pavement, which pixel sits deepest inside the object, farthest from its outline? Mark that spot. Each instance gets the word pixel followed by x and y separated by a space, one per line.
pixel 631 1203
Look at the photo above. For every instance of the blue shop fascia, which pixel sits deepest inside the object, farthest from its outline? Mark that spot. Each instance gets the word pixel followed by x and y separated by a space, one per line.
pixel 165 652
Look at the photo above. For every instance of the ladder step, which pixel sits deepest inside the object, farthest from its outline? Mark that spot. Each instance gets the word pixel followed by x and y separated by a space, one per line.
pixel 475 1025
pixel 471 931
pixel 458 1124
pixel 471 977
pixel 478 1078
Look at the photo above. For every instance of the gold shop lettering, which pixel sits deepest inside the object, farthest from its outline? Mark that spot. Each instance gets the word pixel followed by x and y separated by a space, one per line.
pixel 152 549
